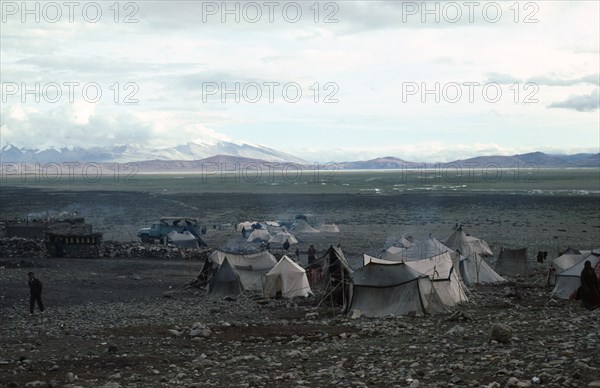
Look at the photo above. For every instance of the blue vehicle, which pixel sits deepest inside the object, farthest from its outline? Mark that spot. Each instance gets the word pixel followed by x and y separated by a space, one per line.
pixel 159 230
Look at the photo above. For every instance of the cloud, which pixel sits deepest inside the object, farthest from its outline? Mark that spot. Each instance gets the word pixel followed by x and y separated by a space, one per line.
pixel 500 78
pixel 581 103
pixel 593 79
pixel 85 125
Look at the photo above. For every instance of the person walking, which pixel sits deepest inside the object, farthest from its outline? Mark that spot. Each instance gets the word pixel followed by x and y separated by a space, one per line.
pixel 35 292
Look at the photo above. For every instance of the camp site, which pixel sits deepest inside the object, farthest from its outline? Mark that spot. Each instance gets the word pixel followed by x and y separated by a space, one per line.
pixel 229 305
pixel 299 194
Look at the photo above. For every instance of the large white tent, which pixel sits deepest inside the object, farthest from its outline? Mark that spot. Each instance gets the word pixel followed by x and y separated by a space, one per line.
pixel 259 235
pixel 251 268
pixel 568 281
pixel 280 238
pixel 287 278
pixel 378 290
pixel 442 270
pixel 467 245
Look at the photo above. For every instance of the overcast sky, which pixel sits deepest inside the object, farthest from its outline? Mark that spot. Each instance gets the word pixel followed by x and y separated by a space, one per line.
pixel 362 67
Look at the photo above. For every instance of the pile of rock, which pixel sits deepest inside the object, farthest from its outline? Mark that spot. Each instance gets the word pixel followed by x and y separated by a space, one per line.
pixel 136 250
pixel 18 247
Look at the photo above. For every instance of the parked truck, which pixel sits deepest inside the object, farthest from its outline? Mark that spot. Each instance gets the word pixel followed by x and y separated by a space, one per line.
pixel 159 230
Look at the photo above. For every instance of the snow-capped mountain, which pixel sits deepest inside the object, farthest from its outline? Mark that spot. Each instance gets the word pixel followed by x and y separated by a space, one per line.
pixel 194 150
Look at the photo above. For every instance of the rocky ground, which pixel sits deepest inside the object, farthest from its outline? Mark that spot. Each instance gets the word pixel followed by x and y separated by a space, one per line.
pixel 126 322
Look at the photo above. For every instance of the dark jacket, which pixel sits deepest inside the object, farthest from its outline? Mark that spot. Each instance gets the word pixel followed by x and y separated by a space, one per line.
pixel 35 286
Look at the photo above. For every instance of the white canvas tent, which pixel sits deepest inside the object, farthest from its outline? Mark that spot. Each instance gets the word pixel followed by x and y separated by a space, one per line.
pixel 288 278
pixel 280 238
pixel 421 249
pixel 474 270
pixel 370 259
pixel 512 262
pixel 566 261
pixel 183 240
pixel 259 235
pixel 398 241
pixel 302 226
pixel 329 228
pixel 246 224
pixel 251 268
pixel 467 245
pixel 567 282
pixel 378 290
pixel 445 276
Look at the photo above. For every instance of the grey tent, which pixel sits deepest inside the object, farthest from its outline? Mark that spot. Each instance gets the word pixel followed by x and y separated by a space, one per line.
pixel 512 262
pixel 336 276
pixel 441 270
pixel 392 289
pixel 225 282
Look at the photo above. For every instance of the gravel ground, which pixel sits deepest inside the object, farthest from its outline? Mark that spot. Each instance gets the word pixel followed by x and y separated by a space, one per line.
pixel 110 324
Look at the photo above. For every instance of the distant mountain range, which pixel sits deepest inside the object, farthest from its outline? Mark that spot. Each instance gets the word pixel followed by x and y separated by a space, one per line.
pixel 538 159
pixel 132 153
pixel 195 156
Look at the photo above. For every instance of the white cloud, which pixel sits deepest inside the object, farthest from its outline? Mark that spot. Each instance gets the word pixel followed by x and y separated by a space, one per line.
pixel 369 54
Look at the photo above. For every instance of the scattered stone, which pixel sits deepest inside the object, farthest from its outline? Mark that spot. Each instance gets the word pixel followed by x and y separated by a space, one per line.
pixel 174 333
pixel 457 331
pixel 36 383
pixel 501 333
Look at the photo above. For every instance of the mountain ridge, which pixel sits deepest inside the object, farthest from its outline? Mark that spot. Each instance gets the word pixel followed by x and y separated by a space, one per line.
pixel 192 154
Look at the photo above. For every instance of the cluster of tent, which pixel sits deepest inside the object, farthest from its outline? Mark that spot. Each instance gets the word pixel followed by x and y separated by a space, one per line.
pixel 411 277
pixel 276 232
pixel 567 271
pixel 255 272
pixel 470 251
pixel 414 277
